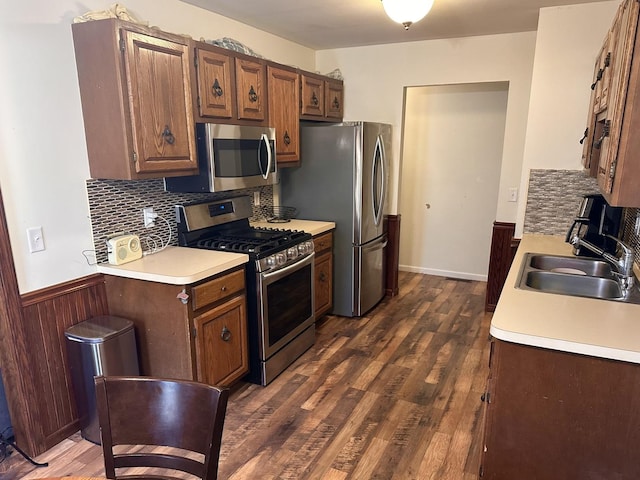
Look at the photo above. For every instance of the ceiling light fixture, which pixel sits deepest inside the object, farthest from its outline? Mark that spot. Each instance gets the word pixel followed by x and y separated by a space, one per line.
pixel 407 12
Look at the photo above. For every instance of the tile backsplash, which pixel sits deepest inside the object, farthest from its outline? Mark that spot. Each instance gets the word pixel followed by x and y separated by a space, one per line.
pixel 116 206
pixel 553 201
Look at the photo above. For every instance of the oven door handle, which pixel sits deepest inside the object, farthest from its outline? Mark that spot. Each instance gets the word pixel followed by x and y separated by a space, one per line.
pixel 278 274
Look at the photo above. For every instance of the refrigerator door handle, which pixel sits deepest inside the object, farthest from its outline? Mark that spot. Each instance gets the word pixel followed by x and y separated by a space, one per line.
pixel 378 168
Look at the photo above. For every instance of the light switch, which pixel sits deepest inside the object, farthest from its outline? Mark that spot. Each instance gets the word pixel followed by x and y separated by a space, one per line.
pixel 35 238
pixel 513 194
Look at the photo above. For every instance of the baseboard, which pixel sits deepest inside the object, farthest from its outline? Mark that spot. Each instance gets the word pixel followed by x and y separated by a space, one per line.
pixel 444 273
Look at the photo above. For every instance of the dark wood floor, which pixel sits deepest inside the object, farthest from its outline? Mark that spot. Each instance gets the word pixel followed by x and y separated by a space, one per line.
pixel 392 395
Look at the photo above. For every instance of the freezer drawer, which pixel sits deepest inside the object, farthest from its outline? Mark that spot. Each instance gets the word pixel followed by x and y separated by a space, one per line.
pixel 369 275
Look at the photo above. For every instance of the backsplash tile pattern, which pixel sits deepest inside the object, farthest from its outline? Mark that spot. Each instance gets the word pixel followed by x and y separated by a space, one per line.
pixel 116 206
pixel 554 198
pixel 553 201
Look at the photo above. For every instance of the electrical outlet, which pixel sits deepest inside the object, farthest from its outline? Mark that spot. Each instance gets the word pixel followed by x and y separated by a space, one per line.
pixel 256 199
pixel 36 240
pixel 149 217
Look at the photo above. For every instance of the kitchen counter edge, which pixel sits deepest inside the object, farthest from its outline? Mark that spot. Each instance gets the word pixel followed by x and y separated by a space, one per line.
pixel 599 328
pixel 314 227
pixel 177 265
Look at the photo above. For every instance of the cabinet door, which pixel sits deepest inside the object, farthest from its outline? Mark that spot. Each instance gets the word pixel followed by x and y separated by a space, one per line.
pixel 312 95
pixel 249 89
pixel 221 343
pixel 160 104
pixel 214 84
pixel 323 283
pixel 625 25
pixel 284 98
pixel 333 95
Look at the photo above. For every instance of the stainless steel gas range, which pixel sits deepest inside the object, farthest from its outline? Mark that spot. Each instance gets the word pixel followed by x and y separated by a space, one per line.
pixel 279 278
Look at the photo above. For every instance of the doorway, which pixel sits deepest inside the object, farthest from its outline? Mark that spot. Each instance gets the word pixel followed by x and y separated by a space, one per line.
pixel 452 153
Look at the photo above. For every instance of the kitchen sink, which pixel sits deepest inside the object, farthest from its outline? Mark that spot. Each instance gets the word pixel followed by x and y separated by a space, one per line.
pixel 575 265
pixel 570 284
pixel 576 276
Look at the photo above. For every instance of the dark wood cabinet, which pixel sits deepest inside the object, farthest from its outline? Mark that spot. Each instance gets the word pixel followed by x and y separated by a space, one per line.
pixel 250 89
pixel 192 332
pixel 135 88
pixel 610 147
pixel 551 414
pixel 284 98
pixel 503 250
pixel 322 98
pixel 323 245
pixel 215 84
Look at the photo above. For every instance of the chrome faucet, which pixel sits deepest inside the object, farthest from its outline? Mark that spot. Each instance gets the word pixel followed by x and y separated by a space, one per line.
pixel 623 265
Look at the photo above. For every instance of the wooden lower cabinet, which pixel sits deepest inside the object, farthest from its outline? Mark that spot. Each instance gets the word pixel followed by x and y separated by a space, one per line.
pixel 557 415
pixel 323 265
pixel 192 332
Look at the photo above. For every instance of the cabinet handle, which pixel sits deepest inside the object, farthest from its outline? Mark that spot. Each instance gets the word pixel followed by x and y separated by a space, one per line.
pixel 168 136
pixel 253 96
pixel 225 335
pixel 584 135
pixel 486 397
pixel 223 288
pixel 336 103
pixel 598 78
pixel 323 276
pixel 314 99
pixel 287 138
pixel 605 133
pixel 217 89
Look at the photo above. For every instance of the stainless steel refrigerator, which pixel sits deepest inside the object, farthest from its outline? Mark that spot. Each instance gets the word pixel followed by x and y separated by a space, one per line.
pixel 343 179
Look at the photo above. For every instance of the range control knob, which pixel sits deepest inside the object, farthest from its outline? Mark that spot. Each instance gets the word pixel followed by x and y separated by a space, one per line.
pixel 302 248
pixel 281 258
pixel 292 253
pixel 271 261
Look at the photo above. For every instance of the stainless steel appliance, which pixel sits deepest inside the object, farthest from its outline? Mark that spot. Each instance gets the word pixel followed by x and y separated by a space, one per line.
pixel 279 279
pixel 343 179
pixel 230 157
pixel 597 223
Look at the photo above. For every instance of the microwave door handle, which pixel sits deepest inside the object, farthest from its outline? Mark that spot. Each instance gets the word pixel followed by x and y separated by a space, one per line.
pixel 265 139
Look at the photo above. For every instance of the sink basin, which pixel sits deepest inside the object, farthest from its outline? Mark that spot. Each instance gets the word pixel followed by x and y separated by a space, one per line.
pixel 568 284
pixel 575 265
pixel 576 276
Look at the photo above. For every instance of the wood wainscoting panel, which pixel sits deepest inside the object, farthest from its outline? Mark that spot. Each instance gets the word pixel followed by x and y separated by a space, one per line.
pixel 503 249
pixel 392 253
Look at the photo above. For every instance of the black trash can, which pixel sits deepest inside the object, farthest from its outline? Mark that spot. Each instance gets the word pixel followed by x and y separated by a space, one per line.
pixel 103 345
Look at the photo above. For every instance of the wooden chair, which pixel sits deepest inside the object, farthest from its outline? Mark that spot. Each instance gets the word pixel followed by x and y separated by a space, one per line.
pixel 145 411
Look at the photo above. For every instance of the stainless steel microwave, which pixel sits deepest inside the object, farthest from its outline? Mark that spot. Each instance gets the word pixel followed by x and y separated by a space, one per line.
pixel 230 157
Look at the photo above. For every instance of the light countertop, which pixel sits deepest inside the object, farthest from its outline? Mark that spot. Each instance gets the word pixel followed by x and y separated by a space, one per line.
pixel 183 265
pixel 177 265
pixel 310 226
pixel 600 328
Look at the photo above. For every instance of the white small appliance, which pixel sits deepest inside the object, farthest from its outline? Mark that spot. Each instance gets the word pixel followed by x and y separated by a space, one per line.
pixel 123 249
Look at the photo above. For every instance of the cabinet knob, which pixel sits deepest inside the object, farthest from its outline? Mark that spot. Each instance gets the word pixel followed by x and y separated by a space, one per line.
pixel 323 276
pixel 253 96
pixel 223 288
pixel 336 103
pixel 217 89
pixel 287 138
pixel 168 136
pixel 225 335
pixel 314 99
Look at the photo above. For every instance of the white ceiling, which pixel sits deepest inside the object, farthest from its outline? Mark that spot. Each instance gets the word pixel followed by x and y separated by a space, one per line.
pixel 324 24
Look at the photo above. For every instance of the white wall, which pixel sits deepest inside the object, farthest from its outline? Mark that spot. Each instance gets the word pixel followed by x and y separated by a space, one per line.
pixel 569 39
pixel 453 138
pixel 375 78
pixel 43 159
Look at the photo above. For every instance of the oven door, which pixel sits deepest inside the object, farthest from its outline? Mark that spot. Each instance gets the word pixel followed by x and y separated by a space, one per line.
pixel 286 305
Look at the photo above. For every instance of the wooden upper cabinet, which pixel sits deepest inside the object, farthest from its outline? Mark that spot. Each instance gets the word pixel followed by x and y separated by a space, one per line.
pixel 618 170
pixel 215 93
pixel 135 88
pixel 250 89
pixel 334 99
pixel 312 92
pixel 284 98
